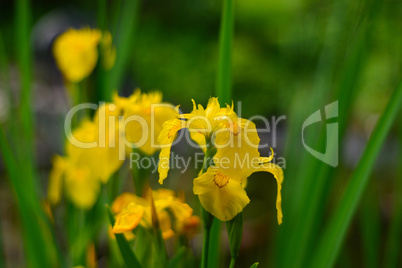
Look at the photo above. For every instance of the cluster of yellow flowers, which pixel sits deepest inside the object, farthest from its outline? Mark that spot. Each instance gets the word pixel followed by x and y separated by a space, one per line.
pixel 84 169
pixel 76 52
pixel 220 187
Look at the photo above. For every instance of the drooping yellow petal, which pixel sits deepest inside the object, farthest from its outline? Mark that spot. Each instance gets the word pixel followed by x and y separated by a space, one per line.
pixel 56 179
pixel 219 195
pixel 128 235
pixel 278 174
pixel 166 138
pixel 123 200
pixel 128 219
pixel 199 139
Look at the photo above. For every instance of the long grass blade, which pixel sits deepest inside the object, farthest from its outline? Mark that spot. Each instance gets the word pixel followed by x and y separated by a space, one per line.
pixel 124 41
pixel 370 228
pixel 331 241
pixel 224 81
pixel 24 56
pixel 393 242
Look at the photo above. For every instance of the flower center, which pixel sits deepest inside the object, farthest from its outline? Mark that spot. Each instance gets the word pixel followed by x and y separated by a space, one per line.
pixel 220 179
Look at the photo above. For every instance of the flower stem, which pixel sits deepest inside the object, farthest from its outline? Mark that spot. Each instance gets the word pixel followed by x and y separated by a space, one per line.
pixel 140 175
pixel 205 246
pixel 232 263
pixel 224 85
pixel 208 219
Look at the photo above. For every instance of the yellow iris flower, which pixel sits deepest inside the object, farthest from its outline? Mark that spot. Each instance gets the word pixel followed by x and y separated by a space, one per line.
pixel 221 187
pixel 79 183
pixel 76 52
pixel 82 171
pixel 216 124
pixel 144 115
pixel 132 211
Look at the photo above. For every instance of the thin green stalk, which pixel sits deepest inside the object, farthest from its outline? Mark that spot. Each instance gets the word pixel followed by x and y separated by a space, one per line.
pixel 370 227
pixel 208 219
pixel 124 36
pixel 333 236
pixel 224 81
pixel 214 248
pixel 140 175
pixel 232 263
pixel 22 29
pixel 393 241
pixel 2 260
pixel 103 92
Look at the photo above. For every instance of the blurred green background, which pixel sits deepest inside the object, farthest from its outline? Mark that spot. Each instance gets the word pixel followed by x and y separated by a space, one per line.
pixel 289 58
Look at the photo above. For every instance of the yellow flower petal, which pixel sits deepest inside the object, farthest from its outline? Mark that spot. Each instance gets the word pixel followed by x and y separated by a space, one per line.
pixel 219 195
pixel 56 179
pixel 82 187
pixel 76 53
pixel 278 174
pixel 109 51
pixel 144 118
pixel 128 219
pixel 123 200
pixel 103 159
pixel 166 138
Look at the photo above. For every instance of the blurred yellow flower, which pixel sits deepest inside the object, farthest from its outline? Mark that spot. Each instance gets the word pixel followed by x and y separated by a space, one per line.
pixel 108 51
pixel 189 226
pixel 76 53
pixel 132 210
pixel 81 172
pixel 80 185
pixel 144 115
pixel 103 158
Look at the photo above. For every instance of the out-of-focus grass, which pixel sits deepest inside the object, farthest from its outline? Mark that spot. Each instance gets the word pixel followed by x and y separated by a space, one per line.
pixel 125 39
pixel 335 231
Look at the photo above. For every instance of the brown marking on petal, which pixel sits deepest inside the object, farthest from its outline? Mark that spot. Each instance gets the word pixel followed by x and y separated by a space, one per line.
pixel 220 179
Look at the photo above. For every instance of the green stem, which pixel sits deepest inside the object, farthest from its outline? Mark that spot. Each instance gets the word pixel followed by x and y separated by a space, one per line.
pixel 140 175
pixel 124 44
pixel 224 85
pixel 205 246
pixel 23 17
pixel 208 219
pixel 232 263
